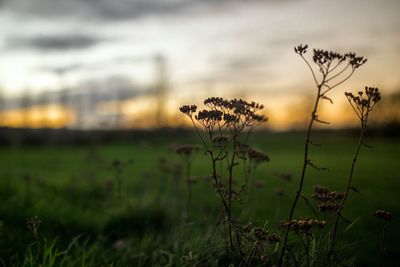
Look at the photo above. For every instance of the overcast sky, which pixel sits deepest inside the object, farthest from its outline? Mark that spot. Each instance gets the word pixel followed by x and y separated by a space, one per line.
pixel 213 45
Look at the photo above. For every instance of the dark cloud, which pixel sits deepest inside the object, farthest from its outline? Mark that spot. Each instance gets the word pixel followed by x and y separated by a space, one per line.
pixel 112 9
pixel 54 42
pixel 96 9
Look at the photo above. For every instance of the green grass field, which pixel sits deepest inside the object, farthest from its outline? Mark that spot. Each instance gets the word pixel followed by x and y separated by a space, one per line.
pixel 73 190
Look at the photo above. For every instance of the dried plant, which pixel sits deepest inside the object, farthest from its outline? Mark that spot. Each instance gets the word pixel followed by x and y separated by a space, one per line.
pixel 385 217
pixel 362 103
pixel 227 125
pixel 117 168
pixel 33 224
pixel 334 69
pixel 186 151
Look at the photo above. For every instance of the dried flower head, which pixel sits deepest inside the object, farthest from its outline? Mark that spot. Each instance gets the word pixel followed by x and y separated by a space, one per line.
pixel 383 215
pixel 329 207
pixel 356 61
pixel 188 109
pixel 257 156
pixel 226 113
pixel 334 68
pixel 323 194
pixel 304 225
pixel 33 224
pixel 364 102
pixel 206 116
pixel 186 149
pixel 301 49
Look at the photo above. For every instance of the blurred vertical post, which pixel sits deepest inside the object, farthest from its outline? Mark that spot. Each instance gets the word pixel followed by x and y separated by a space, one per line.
pixel 161 89
pixel 2 102
pixel 65 105
pixel 26 103
pixel 64 96
pixel 44 110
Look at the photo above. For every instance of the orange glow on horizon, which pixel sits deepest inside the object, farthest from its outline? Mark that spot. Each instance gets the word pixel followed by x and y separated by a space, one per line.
pixel 141 113
pixel 53 116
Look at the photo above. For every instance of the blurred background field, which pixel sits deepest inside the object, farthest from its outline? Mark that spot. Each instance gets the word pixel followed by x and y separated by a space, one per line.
pixel 73 190
pixel 89 100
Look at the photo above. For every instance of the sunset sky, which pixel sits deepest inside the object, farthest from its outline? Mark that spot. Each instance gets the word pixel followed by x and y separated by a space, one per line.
pixel 220 47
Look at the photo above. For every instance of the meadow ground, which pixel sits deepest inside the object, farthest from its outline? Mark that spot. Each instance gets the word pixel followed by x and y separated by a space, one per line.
pixel 74 192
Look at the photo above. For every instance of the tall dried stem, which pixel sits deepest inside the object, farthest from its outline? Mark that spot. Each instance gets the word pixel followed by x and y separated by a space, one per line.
pixel 333 67
pixel 362 104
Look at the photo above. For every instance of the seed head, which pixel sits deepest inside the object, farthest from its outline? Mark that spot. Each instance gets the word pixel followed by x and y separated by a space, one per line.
pixel 257 156
pixel 186 149
pixel 383 215
pixel 304 225
pixel 329 207
pixel 33 224
pixel 188 109
pixel 209 115
pixel 301 49
pixel 364 101
pixel 323 194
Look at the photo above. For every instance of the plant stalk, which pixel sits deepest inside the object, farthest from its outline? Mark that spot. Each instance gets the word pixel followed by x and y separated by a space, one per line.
pixel 303 171
pixel 349 185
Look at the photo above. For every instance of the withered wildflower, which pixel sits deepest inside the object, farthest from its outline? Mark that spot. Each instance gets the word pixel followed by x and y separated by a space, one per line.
pixel 323 194
pixel 117 167
pixel 355 61
pixel 383 215
pixel 206 116
pixel 188 109
pixel 329 70
pixel 259 243
pixel 304 225
pixel 33 224
pixel 257 156
pixel 329 207
pixel 227 125
pixel 364 102
pixel 186 150
pixel 301 49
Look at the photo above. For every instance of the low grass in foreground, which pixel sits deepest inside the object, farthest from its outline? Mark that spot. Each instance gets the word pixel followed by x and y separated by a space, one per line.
pixel 86 222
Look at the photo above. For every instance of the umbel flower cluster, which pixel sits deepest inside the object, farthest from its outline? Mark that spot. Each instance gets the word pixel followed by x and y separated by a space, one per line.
pixel 383 215
pixel 222 112
pixel 304 225
pixel 328 201
pixel 364 102
pixel 186 150
pixel 325 59
pixel 226 126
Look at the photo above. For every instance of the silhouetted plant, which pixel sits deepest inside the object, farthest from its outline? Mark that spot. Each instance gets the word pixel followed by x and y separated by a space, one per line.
pixel 334 69
pixel 33 225
pixel 186 151
pixel 117 168
pixel 227 125
pixel 385 217
pixel 362 104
